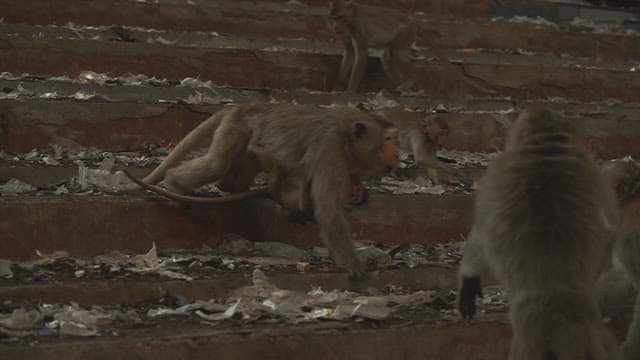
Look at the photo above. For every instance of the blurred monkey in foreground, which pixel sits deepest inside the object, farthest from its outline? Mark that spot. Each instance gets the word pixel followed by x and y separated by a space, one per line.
pixel 625 175
pixel 542 215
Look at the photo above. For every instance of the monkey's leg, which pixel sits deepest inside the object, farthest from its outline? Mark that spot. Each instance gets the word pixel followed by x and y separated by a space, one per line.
pixel 390 68
pixel 403 66
pixel 227 146
pixel 359 68
pixel 630 348
pixel 241 174
pixel 346 65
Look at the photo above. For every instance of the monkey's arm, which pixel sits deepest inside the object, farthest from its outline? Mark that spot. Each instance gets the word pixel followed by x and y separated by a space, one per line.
pixel 346 65
pixel 359 65
pixel 200 136
pixel 627 252
pixel 473 268
pixel 329 198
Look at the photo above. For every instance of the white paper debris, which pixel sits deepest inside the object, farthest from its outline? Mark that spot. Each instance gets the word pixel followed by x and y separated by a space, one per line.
pixel 15 186
pixel 5 269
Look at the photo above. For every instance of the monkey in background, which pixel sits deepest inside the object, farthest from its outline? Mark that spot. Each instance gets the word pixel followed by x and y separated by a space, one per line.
pixel 361 27
pixel 423 139
pixel 312 157
pixel 542 216
pixel 625 175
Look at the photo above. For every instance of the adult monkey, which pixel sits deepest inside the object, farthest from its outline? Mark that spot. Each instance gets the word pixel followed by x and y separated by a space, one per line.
pixel 312 156
pixel 361 27
pixel 542 218
pixel 625 174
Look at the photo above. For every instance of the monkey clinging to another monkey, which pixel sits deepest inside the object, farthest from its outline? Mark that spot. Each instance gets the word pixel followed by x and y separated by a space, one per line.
pixel 313 159
pixel 542 219
pixel 361 27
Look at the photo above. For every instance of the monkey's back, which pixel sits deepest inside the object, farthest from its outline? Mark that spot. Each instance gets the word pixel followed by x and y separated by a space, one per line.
pixel 540 203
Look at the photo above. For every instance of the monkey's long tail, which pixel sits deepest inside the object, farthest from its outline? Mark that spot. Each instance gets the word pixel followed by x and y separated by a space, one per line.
pixel 190 142
pixel 263 193
pixel 440 55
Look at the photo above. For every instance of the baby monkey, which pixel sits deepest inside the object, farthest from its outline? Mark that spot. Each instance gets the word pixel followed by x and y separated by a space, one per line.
pixel 423 139
pixel 541 226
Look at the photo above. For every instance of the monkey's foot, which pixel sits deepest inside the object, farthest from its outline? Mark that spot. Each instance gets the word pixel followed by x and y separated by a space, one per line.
pixel 357 275
pixel 358 194
pixel 355 268
pixel 406 86
pixel 302 218
pixel 467 297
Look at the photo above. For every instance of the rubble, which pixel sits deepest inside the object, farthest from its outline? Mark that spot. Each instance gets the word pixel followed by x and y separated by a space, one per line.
pixel 15 186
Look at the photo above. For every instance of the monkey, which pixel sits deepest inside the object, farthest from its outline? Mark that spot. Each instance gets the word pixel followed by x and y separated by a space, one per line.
pixel 423 139
pixel 361 27
pixel 625 178
pixel 541 218
pixel 308 153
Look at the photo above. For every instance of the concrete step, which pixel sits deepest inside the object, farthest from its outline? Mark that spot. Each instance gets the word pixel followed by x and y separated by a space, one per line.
pixel 273 21
pixel 47 177
pixel 486 339
pixel 114 290
pixel 610 130
pixel 90 225
pixel 303 66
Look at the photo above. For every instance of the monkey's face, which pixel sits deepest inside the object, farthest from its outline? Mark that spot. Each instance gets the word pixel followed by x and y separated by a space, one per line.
pixel 375 149
pixel 436 134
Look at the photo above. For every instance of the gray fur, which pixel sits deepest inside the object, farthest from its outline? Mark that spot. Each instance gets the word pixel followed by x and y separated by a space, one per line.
pixel 625 272
pixel 541 228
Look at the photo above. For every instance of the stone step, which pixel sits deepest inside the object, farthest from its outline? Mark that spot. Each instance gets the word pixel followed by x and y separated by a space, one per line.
pixel 48 176
pixel 305 66
pixel 102 292
pixel 487 338
pixel 273 21
pixel 90 225
pixel 609 130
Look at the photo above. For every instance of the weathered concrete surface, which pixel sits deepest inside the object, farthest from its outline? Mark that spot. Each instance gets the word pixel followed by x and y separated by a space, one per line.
pixel 486 339
pixel 42 175
pixel 28 124
pixel 92 225
pixel 291 69
pixel 110 292
pixel 270 21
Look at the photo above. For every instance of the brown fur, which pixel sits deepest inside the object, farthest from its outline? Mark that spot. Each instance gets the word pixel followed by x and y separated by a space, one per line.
pixel 541 226
pixel 362 27
pixel 307 152
pixel 423 138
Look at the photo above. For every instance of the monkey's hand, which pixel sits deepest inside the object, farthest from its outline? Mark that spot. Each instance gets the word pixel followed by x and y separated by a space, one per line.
pixel 358 194
pixel 469 290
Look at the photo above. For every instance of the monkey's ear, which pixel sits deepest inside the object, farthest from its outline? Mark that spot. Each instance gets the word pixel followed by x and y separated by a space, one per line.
pixel 359 130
